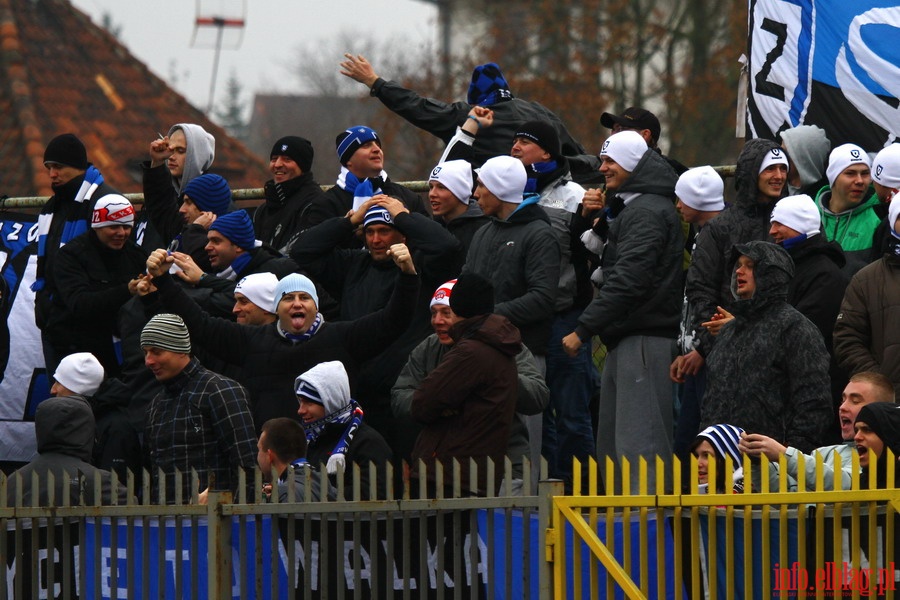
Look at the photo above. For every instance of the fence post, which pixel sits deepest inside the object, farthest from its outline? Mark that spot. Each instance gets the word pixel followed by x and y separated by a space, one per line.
pixel 218 546
pixel 547 488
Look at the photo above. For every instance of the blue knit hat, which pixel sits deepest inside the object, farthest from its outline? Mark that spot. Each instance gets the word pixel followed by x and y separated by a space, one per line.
pixel 488 86
pixel 350 140
pixel 237 227
pixel 295 282
pixel 210 193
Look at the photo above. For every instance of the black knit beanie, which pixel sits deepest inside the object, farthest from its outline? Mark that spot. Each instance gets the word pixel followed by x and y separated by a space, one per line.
pixel 473 295
pixel 66 149
pixel 299 149
pixel 543 134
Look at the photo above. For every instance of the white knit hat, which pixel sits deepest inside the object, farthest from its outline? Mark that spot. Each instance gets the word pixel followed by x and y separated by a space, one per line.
pixel 81 373
pixel 843 157
pixel 799 212
pixel 442 294
pixel 893 213
pixel 112 209
pixel 456 176
pixel 259 288
pixel 626 148
pixel 775 156
pixel 886 167
pixel 701 188
pixel 504 177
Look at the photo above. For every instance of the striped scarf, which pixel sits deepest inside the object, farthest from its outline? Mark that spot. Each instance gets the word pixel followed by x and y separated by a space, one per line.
pixel 71 228
pixel 296 338
pixel 352 415
pixel 363 189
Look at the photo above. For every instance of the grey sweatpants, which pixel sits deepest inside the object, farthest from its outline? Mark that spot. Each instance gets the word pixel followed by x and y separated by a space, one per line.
pixel 635 415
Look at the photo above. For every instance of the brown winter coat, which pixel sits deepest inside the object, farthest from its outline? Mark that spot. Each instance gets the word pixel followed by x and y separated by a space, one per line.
pixel 466 403
pixel 867 332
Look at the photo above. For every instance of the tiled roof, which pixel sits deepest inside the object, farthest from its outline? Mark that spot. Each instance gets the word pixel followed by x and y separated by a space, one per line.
pixel 59 73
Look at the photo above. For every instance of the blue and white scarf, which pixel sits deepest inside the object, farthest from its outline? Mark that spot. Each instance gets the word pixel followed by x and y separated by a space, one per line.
pixel 352 415
pixel 233 271
pixel 302 337
pixel 71 229
pixel 363 189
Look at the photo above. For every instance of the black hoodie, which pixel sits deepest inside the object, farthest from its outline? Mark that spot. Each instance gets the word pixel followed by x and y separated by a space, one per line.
pixel 64 428
pixel 709 276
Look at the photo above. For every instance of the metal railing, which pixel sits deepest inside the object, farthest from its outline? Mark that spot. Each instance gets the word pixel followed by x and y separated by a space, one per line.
pixel 253 194
pixel 758 544
pixel 406 545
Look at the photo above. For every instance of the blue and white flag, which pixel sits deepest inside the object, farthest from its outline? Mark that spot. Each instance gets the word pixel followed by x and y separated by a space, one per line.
pixel 23 378
pixel 831 63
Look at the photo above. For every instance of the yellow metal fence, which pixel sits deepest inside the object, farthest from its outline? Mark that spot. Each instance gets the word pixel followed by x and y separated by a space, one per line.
pixel 814 543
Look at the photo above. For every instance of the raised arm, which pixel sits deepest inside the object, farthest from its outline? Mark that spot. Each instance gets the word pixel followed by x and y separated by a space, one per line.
pixel 434 116
pixel 222 338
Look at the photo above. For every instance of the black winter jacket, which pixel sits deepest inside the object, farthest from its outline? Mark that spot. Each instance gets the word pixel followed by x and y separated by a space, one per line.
pixel 64 428
pixel 641 289
pixel 92 282
pixel 286 212
pixel 65 210
pixel 337 203
pixel 270 363
pixel 367 446
pixel 818 285
pixel 441 119
pixel 520 255
pixel 161 203
pixel 465 226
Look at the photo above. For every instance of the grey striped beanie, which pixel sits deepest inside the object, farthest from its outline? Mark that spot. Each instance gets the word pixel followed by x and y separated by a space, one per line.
pixel 167 332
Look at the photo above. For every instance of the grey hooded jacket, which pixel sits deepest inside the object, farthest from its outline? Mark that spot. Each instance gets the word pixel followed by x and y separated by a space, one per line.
pixel 201 151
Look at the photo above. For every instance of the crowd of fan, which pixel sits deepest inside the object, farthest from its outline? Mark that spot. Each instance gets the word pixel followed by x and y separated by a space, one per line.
pixel 362 325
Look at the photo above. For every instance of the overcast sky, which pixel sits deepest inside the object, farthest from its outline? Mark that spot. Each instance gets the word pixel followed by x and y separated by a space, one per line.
pixel 159 32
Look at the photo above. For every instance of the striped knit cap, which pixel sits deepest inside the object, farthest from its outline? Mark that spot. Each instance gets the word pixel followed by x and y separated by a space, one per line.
pixel 724 438
pixel 167 332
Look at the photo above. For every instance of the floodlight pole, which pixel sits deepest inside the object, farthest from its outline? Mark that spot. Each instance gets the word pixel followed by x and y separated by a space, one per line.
pixel 220 23
pixel 444 13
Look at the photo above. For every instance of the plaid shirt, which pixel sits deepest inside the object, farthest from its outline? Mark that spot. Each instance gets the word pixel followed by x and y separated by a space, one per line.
pixel 200 421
